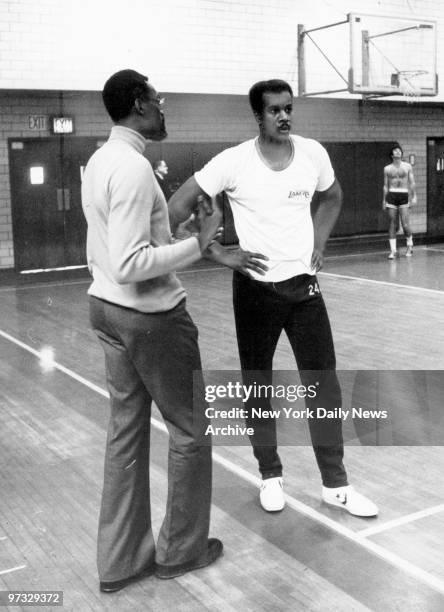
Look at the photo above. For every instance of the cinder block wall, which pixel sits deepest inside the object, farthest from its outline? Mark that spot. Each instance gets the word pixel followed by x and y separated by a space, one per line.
pixel 218 118
pixel 16 108
pixel 208 52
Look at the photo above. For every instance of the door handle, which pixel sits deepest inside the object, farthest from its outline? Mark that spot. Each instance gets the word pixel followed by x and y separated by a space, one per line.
pixel 59 199
pixel 67 198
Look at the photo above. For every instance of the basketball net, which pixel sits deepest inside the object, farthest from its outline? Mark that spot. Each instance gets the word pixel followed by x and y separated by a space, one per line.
pixel 409 90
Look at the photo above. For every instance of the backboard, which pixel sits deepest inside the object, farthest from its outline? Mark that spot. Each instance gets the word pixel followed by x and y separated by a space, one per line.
pixel 392 56
pixel 370 55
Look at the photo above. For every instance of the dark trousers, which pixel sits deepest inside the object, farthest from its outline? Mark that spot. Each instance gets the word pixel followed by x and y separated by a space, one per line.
pixel 262 310
pixel 151 357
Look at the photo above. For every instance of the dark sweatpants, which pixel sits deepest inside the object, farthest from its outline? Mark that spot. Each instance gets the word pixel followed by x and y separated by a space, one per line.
pixel 262 310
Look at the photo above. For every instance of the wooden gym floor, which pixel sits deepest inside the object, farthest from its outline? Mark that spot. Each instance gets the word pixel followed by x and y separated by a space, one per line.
pixel 53 417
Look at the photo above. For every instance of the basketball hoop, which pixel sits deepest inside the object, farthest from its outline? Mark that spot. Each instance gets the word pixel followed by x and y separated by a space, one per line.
pixel 410 91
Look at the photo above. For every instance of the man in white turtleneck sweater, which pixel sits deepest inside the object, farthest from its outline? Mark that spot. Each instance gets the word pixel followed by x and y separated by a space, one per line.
pixel 137 309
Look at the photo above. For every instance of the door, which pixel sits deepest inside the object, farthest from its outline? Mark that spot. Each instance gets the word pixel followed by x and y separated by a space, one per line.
pixel 178 158
pixel 47 218
pixel 359 168
pixel 37 210
pixel 183 159
pixel 370 159
pixel 435 186
pixel 75 153
pixel 342 157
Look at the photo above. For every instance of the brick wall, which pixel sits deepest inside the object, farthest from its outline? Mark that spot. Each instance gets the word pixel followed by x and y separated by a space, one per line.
pixel 16 108
pixel 191 47
pixel 211 118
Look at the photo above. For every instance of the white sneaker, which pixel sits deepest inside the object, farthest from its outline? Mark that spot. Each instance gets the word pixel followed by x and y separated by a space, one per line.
pixel 272 494
pixel 351 500
pixel 393 255
pixel 409 251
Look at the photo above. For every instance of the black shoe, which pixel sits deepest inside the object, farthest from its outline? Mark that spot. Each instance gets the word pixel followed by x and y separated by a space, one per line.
pixel 215 548
pixel 117 585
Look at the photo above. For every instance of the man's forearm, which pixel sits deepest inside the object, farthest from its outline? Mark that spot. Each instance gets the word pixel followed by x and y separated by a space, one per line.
pixel 183 202
pixel 178 212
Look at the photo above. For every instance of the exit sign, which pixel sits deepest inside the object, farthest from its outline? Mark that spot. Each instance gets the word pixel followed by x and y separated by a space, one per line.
pixel 37 122
pixel 62 125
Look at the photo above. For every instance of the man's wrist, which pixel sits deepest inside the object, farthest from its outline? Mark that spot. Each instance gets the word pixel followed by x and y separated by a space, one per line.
pixel 319 246
pixel 209 252
pixel 216 252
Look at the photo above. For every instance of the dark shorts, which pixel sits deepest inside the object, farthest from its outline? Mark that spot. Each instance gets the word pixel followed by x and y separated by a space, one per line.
pixel 397 198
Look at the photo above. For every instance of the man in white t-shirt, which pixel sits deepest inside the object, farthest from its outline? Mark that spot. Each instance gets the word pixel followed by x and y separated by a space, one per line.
pixel 270 182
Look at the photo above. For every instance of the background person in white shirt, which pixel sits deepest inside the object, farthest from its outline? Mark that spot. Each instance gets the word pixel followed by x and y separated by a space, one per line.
pixel 137 310
pixel 190 226
pixel 161 171
pixel 270 182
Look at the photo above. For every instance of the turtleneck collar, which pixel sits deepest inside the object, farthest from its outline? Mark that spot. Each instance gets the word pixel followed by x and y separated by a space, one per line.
pixel 119 132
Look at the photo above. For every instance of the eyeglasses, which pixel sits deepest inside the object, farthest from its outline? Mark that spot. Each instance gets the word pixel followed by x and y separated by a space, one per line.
pixel 158 100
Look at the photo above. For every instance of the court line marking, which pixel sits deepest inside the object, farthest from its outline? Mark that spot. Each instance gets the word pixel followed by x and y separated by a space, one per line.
pixel 12 569
pixel 427 248
pixel 202 270
pixel 218 268
pixel 60 283
pixel 56 365
pixel 403 520
pixel 386 283
pixel 88 281
pixel 362 254
pixel 356 537
pixel 330 274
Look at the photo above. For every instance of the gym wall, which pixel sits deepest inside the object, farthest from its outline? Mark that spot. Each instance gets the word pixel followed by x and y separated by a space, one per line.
pixel 205 54
pixel 197 118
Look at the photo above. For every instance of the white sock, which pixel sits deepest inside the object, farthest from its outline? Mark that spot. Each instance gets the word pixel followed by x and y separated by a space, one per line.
pixel 410 241
pixel 392 242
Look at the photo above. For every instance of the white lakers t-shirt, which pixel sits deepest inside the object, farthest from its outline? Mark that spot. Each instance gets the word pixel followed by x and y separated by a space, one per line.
pixel 271 209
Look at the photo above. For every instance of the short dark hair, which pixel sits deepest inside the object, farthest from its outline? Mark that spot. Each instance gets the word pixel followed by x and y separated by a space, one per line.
pixel 255 94
pixel 121 90
pixel 395 146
